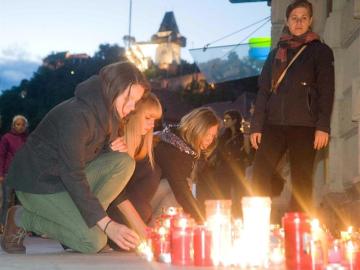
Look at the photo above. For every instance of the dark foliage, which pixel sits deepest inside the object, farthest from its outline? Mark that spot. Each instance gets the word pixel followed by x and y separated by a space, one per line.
pixel 50 86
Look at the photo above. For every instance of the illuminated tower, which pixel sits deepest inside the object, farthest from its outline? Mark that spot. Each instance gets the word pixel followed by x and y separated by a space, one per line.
pixel 169 42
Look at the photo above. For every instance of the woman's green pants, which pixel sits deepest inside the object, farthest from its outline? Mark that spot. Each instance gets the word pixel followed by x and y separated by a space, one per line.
pixel 56 215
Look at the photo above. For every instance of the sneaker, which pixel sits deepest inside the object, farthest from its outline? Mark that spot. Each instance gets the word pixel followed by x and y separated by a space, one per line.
pixel 14 236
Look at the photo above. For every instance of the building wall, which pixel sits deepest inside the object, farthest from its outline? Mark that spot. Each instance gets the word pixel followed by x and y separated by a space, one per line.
pixel 338 167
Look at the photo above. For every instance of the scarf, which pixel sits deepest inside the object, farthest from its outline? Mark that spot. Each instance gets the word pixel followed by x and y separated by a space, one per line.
pixel 168 136
pixel 288 41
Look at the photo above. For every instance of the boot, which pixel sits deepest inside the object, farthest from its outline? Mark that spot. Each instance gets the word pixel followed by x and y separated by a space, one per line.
pixel 14 236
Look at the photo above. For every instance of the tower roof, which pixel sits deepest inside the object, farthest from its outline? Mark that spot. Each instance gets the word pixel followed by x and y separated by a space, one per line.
pixel 169 23
pixel 169 31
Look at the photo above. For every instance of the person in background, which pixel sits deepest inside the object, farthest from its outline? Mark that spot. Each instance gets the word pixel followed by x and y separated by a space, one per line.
pixel 232 161
pixel 138 136
pixel 10 143
pixel 74 164
pixel 293 106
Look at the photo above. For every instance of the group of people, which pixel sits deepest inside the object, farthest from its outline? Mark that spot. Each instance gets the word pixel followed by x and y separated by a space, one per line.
pixel 93 172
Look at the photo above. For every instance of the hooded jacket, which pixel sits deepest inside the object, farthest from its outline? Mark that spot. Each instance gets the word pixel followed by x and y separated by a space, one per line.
pixel 9 144
pixel 56 153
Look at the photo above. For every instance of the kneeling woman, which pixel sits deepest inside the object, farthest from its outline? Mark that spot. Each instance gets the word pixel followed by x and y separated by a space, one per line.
pixel 62 176
pixel 176 155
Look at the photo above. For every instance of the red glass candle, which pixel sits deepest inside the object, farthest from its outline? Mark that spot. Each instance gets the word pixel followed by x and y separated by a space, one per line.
pixel 181 241
pixel 161 245
pixel 352 255
pixel 297 241
pixel 335 252
pixel 202 246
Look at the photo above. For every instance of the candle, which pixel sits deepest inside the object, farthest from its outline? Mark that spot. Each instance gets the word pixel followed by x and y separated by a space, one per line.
pixel 276 256
pixel 202 246
pixel 182 240
pixel 335 252
pixel 218 218
pixel 256 214
pixel 352 256
pixel 161 245
pixel 297 241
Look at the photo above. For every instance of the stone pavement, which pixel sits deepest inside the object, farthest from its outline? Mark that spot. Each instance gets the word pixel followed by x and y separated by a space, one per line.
pixel 46 254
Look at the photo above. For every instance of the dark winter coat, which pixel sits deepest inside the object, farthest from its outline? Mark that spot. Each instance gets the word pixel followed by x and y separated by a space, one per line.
pixel 55 155
pixel 10 143
pixel 304 97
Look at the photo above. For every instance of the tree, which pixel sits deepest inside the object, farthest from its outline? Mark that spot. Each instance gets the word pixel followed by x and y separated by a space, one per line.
pixel 48 87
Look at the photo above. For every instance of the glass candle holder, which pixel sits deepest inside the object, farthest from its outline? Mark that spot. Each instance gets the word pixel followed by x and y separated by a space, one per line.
pixel 256 223
pixel 202 246
pixel 161 244
pixel 182 240
pixel 297 241
pixel 218 220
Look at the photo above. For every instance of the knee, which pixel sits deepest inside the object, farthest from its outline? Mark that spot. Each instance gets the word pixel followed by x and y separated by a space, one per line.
pixel 123 163
pixel 93 242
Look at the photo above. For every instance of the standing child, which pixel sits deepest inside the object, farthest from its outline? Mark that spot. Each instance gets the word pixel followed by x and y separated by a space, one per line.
pixel 9 144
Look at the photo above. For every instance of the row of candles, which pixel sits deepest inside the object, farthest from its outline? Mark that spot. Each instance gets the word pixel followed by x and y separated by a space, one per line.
pixel 252 242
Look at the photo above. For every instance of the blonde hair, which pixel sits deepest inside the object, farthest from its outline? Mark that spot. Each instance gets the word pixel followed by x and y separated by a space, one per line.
pixel 140 146
pixel 194 126
pixel 17 117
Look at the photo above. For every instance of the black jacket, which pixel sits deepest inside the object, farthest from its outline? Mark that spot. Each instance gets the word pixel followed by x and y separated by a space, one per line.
pixel 176 161
pixel 57 151
pixel 304 97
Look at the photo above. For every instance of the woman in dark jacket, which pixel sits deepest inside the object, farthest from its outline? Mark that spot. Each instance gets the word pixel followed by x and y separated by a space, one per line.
pixel 177 154
pixel 293 113
pixel 62 175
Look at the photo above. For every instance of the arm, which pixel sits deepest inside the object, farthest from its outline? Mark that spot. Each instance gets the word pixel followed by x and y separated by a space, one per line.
pixel 325 86
pixel 325 83
pixel 176 166
pixel 133 217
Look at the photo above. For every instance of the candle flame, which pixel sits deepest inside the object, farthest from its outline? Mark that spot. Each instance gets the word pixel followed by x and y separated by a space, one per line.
pixel 145 251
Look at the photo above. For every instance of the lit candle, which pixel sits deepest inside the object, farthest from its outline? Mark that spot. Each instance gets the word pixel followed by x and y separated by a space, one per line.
pixel 335 252
pixel 297 240
pixel 218 219
pixel 161 245
pixel 256 213
pixel 202 246
pixel 182 240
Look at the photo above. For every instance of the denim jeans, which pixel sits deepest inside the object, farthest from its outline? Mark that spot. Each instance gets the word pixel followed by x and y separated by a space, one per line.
pixel 57 216
pixel 8 199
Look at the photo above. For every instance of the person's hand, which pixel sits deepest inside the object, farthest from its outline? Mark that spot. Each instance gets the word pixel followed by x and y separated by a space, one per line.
pixel 119 145
pixel 1 179
pixel 124 237
pixel 255 139
pixel 321 139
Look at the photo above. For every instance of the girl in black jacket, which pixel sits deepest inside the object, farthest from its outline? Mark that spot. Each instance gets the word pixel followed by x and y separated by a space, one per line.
pixel 178 153
pixel 293 113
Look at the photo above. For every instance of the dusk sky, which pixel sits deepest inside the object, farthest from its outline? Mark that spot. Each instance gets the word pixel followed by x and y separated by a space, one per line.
pixel 30 30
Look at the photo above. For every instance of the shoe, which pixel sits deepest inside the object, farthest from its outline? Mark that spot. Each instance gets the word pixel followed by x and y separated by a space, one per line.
pixel 14 236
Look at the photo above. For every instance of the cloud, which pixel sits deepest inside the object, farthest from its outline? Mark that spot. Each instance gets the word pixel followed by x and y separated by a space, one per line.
pixel 12 72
